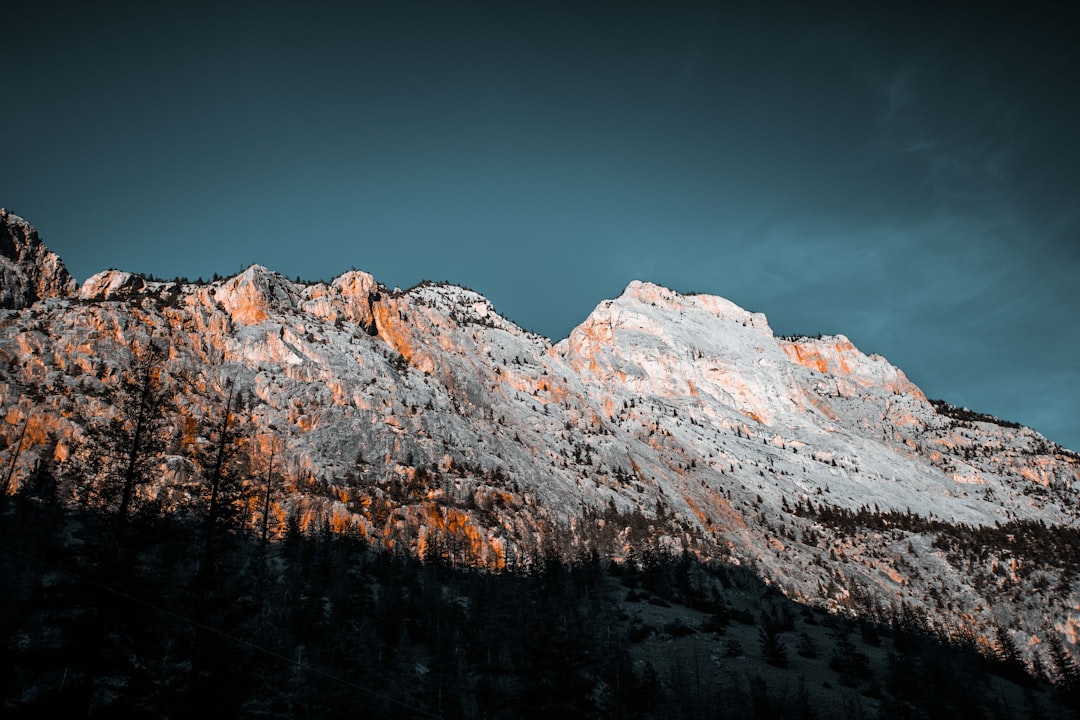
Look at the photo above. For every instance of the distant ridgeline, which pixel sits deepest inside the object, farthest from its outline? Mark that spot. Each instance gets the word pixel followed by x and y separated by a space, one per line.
pixel 962 413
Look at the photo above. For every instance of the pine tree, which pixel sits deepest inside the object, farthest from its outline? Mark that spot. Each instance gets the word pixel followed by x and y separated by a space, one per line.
pixel 1066 671
pixel 773 649
pixel 225 469
pixel 1008 656
pixel 135 437
pixel 267 490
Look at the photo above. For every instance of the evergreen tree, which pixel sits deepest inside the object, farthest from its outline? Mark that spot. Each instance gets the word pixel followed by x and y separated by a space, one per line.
pixel 135 437
pixel 1066 671
pixel 773 649
pixel 1010 662
pixel 225 470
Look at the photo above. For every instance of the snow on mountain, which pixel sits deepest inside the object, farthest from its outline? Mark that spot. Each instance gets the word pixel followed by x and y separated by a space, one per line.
pixel 664 422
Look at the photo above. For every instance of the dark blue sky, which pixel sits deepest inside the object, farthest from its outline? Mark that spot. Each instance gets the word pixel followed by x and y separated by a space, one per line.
pixel 908 176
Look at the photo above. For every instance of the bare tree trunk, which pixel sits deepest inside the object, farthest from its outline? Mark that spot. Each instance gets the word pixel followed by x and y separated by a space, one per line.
pixel 15 457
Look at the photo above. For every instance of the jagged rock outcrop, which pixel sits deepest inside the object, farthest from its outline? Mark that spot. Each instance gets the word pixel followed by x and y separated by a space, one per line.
pixel 28 270
pixel 664 422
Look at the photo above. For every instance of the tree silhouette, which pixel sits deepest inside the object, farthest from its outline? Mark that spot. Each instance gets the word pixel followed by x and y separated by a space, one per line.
pixel 225 469
pixel 773 649
pixel 134 438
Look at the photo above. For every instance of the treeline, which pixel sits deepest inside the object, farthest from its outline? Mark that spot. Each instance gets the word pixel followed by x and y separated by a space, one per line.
pixel 965 415
pixel 1036 544
pixel 139 621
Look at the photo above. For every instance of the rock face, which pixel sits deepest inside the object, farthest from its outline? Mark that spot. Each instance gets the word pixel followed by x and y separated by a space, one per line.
pixel 664 423
pixel 28 270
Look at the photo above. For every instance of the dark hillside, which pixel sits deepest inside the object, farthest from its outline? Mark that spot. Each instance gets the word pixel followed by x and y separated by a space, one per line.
pixel 150 620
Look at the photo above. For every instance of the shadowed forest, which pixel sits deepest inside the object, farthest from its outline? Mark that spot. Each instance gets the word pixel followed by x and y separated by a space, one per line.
pixel 172 617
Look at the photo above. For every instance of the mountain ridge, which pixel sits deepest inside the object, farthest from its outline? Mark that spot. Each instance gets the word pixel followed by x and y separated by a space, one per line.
pixel 28 270
pixel 423 419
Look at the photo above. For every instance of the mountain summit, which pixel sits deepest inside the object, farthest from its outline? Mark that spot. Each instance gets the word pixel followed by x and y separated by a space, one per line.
pixel 427 422
pixel 28 270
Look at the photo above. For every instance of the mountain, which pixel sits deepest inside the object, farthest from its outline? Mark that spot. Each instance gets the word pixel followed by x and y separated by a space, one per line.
pixel 424 421
pixel 28 270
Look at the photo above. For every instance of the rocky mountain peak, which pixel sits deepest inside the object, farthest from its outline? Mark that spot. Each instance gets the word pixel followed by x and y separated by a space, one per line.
pixel 347 299
pixel 111 285
pixel 251 296
pixel 837 356
pixel 423 419
pixel 664 298
pixel 28 270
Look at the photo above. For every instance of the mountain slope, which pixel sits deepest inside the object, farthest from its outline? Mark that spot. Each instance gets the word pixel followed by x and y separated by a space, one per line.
pixel 664 422
pixel 28 270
